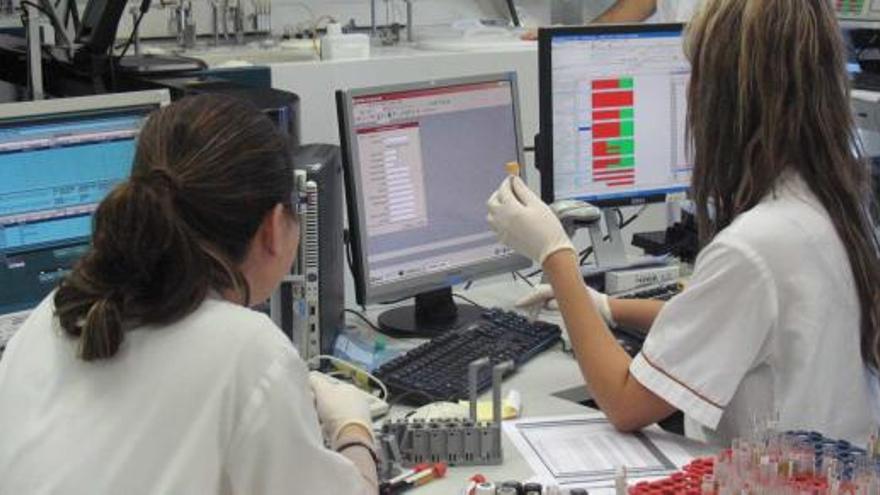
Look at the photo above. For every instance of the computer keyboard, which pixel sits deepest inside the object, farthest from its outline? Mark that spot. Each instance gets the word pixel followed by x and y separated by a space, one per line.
pixel 438 370
pixel 632 339
pixel 662 292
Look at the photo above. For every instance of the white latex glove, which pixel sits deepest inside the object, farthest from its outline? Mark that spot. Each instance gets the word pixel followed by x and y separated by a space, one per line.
pixel 542 296
pixel 523 222
pixel 339 405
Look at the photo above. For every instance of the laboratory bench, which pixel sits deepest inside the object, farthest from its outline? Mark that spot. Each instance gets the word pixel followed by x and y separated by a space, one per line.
pixel 538 382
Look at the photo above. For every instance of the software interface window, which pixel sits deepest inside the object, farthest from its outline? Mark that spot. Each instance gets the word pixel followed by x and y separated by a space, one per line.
pixel 429 159
pixel 55 174
pixel 619 110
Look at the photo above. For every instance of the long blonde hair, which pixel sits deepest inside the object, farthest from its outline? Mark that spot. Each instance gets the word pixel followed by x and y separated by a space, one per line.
pixel 769 94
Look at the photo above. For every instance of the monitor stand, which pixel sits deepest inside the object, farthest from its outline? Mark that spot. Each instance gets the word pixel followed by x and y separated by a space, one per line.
pixel 610 254
pixel 434 313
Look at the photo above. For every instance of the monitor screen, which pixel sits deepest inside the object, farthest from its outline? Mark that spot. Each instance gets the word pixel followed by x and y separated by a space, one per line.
pixel 422 160
pixel 854 12
pixel 613 113
pixel 56 169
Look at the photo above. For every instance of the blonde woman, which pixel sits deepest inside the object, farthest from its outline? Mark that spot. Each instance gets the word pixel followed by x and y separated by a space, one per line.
pixel 782 313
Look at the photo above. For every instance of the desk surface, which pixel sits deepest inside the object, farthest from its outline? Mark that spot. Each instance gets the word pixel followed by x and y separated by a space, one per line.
pixel 551 372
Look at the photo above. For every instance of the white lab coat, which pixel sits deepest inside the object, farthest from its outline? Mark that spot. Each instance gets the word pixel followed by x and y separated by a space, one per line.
pixel 676 10
pixel 770 323
pixel 217 403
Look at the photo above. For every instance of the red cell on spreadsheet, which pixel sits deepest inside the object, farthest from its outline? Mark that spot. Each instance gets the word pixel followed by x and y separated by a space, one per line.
pixel 606 84
pixel 613 177
pixel 606 130
pixel 613 99
pixel 606 115
pixel 622 183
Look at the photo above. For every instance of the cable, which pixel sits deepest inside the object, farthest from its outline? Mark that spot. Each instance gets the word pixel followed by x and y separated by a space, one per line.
pixel 363 317
pixel 523 278
pixel 145 7
pixel 357 369
pixel 346 239
pixel 468 300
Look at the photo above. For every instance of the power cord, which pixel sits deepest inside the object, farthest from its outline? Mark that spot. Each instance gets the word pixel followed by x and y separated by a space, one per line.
pixel 363 317
pixel 134 28
pixel 468 300
pixel 523 278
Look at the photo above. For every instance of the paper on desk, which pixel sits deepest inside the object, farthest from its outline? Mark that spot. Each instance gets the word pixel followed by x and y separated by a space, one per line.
pixel 584 451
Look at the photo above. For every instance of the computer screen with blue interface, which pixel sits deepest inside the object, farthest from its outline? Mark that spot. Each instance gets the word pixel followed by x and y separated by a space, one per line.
pixel 618 99
pixel 55 171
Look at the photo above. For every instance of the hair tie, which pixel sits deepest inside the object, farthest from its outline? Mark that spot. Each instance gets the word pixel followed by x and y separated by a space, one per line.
pixel 160 178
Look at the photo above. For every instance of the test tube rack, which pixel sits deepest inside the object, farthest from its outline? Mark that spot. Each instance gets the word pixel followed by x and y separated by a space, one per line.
pixel 796 462
pixel 456 442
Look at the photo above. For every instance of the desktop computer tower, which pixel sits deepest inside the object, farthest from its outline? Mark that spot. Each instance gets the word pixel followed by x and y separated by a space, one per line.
pixel 289 308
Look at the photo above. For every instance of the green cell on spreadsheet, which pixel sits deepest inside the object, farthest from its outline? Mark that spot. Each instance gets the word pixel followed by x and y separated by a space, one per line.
pixel 621 147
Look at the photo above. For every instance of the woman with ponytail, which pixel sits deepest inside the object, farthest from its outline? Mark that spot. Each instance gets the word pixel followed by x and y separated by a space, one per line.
pixel 145 371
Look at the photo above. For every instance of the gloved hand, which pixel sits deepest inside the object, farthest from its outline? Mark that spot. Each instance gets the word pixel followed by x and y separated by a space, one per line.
pixel 543 296
pixel 339 405
pixel 523 222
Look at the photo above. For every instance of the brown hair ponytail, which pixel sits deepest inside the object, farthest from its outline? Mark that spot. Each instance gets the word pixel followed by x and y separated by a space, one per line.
pixel 206 172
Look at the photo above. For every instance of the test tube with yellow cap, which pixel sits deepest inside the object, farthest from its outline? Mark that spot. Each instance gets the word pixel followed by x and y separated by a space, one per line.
pixel 512 168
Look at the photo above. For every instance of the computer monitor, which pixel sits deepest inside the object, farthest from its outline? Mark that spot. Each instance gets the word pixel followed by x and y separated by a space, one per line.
pixel 420 161
pixel 858 13
pixel 58 159
pixel 613 111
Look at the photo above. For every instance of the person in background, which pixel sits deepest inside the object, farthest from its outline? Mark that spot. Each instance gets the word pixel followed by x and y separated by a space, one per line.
pixel 629 11
pixel 782 313
pixel 145 372
pixel 633 11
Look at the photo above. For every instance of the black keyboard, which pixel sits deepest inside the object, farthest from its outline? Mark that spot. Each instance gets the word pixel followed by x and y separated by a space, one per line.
pixel 866 80
pixel 438 370
pixel 631 339
pixel 663 292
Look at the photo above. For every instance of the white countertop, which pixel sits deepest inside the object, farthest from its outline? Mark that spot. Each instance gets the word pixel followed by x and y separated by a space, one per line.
pixel 551 372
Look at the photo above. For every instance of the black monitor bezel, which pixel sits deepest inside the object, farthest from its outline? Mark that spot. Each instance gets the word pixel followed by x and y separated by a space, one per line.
pixel 430 282
pixel 545 90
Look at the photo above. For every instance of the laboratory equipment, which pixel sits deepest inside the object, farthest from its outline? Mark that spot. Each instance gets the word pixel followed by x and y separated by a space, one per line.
pixel 420 161
pixel 613 108
pixel 336 45
pixel 455 441
pixel 437 370
pixel 58 159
